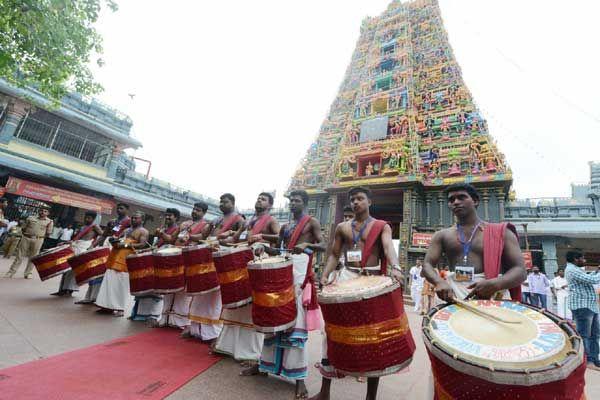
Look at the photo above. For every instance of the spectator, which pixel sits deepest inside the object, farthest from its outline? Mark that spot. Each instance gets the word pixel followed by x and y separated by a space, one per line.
pixel 560 289
pixel 416 284
pixel 538 285
pixel 583 302
pixel 428 296
pixel 14 238
pixel 525 294
pixel 65 234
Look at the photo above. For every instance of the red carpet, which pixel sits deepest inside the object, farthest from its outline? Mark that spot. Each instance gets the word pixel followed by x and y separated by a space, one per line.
pixel 149 366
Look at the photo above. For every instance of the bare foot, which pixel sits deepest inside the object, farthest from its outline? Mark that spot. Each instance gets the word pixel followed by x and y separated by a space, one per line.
pixel 59 293
pixel 118 313
pixel 250 371
pixel 186 335
pixel 301 391
pixel 152 323
pixel 319 396
pixel 104 311
pixel 360 379
pixel 84 302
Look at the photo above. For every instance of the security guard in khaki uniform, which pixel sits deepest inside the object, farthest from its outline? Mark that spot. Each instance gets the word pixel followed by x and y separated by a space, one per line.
pixel 34 231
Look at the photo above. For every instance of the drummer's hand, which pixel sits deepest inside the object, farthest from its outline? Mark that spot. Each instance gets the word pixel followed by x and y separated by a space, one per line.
pixel 444 291
pixel 397 275
pixel 483 289
pixel 224 235
pixel 255 238
pixel 299 248
pixel 325 280
pixel 259 250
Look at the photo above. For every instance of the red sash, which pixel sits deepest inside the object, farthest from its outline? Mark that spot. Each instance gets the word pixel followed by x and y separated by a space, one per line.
pixel 168 231
pixel 493 246
pixel 310 274
pixel 374 234
pixel 83 232
pixel 260 224
pixel 228 222
pixel 198 228
pixel 124 224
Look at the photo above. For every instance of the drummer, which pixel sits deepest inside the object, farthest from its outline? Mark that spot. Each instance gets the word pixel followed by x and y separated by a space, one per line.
pixel 36 228
pixel 285 354
pixel 114 228
pixel 367 243
pixel 114 289
pixel 204 309
pixel 467 245
pixel 81 242
pixel 227 225
pixel 236 338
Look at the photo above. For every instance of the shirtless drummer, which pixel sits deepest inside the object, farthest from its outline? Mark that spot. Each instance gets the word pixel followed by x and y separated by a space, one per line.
pixel 367 243
pixel 464 246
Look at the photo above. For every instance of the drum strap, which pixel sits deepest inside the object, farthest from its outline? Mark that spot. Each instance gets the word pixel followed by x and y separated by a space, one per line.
pixel 256 226
pixel 198 228
pixel 228 222
pixel 83 232
pixel 374 234
pixel 493 246
pixel 168 231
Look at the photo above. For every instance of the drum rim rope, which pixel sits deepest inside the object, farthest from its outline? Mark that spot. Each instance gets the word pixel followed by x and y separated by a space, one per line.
pixel 504 376
pixel 194 247
pixel 226 252
pixel 350 298
pixel 275 265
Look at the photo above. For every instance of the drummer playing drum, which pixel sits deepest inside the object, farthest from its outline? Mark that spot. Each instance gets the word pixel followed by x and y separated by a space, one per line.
pixel 464 245
pixel 367 243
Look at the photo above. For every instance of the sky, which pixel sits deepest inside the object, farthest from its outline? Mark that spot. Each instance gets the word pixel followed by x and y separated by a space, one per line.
pixel 229 95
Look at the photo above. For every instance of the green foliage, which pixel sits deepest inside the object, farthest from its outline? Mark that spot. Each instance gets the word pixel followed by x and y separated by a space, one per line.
pixel 48 44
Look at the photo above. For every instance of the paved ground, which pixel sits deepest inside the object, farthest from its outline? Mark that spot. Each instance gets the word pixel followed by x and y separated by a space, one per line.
pixel 35 325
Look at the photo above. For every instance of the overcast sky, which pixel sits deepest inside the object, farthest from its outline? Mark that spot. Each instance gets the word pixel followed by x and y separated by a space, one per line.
pixel 229 95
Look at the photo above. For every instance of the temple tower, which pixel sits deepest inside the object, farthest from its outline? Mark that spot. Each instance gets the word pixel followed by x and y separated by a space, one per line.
pixel 405 125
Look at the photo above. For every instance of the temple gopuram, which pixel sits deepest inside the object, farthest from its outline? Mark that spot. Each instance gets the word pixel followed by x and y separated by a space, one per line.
pixel 405 125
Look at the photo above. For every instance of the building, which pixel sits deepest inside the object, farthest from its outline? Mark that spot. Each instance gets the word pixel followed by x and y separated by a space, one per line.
pixel 550 227
pixel 405 125
pixel 72 156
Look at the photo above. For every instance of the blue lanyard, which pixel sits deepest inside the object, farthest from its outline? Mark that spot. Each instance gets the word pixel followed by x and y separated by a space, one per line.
pixel 355 236
pixel 466 244
pixel 287 233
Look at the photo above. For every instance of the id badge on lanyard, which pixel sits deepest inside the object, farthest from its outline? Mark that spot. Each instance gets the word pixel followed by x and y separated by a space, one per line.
pixel 244 235
pixel 464 271
pixel 354 255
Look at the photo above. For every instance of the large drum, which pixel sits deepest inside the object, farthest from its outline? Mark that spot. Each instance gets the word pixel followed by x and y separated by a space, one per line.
pixel 142 279
pixel 53 262
pixel 169 270
pixel 200 272
pixel 473 357
pixel 366 326
pixel 231 265
pixel 273 296
pixel 89 265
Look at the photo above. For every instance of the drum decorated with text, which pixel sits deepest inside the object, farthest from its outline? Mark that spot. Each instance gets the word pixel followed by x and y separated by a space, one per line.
pixel 232 272
pixel 89 265
pixel 200 272
pixel 538 357
pixel 53 262
pixel 273 296
pixel 366 326
pixel 169 270
pixel 142 278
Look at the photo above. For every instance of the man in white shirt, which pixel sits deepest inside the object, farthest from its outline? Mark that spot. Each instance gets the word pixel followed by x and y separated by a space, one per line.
pixel 538 285
pixel 525 294
pixel 65 234
pixel 560 289
pixel 416 284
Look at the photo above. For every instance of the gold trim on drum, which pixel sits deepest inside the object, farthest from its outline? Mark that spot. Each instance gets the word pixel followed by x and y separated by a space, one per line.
pixel 368 334
pixel 200 269
pixel 273 299
pixel 54 263
pixel 169 273
pixel 233 276
pixel 90 264
pixel 142 273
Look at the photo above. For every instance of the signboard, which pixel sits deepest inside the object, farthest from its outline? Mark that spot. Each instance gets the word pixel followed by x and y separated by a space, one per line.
pixel 528 259
pixel 374 129
pixel 420 239
pixel 21 187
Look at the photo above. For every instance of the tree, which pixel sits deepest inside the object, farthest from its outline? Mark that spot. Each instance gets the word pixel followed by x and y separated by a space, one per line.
pixel 48 44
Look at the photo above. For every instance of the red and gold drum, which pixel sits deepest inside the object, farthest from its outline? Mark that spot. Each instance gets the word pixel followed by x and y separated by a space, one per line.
pixel 53 262
pixel 232 271
pixel 366 326
pixel 169 270
pixel 273 296
pixel 89 265
pixel 142 279
pixel 200 272
pixel 538 357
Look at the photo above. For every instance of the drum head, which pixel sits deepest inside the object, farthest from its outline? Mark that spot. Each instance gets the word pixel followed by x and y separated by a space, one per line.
pixel 534 342
pixel 169 251
pixel 363 287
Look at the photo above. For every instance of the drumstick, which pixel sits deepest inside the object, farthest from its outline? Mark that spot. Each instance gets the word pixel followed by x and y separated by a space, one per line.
pixel 483 313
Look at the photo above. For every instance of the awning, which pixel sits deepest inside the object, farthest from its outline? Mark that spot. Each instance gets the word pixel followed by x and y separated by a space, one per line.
pixel 21 187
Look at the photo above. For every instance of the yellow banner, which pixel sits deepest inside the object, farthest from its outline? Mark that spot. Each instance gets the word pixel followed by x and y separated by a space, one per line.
pixel 273 299
pixel 368 334
pixel 233 276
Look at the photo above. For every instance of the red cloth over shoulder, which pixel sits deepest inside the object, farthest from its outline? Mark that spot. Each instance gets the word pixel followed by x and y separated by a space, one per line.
pixel 493 246
pixel 374 234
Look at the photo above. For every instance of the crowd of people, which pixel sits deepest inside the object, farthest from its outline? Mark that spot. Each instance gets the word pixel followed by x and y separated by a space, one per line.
pixel 361 244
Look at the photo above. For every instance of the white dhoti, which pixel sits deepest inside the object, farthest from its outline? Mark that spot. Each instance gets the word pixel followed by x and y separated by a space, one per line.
pixel 460 287
pixel 238 338
pixel 415 295
pixel 92 291
pixel 285 353
pixel 114 290
pixel 562 309
pixel 147 307
pixel 67 281
pixel 205 315
pixel 175 310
